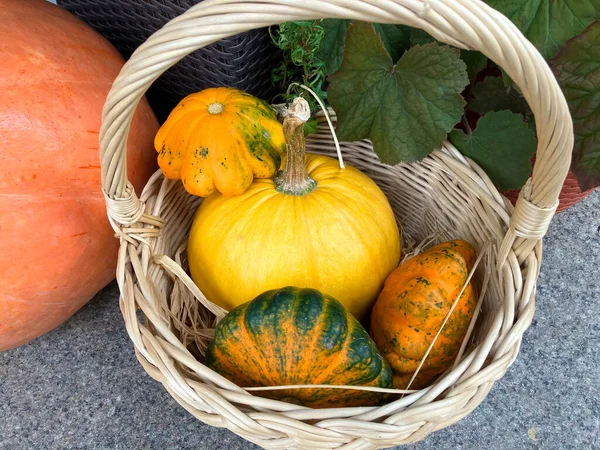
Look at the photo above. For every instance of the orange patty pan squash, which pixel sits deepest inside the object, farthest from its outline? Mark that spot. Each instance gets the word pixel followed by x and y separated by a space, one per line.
pixel 220 139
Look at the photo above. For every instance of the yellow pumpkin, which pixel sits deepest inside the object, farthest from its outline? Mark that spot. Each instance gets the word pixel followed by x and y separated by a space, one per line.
pixel 315 226
pixel 220 138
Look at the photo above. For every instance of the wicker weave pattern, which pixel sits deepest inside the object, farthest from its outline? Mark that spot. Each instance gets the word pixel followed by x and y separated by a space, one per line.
pixel 243 61
pixel 444 193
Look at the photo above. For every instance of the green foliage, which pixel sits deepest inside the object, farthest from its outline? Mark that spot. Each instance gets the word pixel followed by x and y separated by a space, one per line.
pixel 395 39
pixel 475 61
pixel 502 145
pixel 310 127
pixel 400 88
pixel 407 108
pixel 491 94
pixel 300 42
pixel 332 47
pixel 420 37
pixel 577 68
pixel 548 24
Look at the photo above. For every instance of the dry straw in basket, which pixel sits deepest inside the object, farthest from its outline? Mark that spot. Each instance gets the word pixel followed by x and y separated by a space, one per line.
pixel 445 193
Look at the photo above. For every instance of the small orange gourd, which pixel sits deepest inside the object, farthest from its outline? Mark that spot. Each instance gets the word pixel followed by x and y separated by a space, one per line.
pixel 414 302
pixel 220 139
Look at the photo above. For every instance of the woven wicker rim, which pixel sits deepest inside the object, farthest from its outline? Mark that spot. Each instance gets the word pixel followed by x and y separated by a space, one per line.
pixel 460 197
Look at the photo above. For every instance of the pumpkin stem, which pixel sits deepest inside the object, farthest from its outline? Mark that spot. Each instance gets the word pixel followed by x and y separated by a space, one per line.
pixel 295 180
pixel 215 108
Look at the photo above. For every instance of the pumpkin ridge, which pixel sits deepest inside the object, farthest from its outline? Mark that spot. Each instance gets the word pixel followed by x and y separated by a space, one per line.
pixel 336 370
pixel 196 173
pixel 321 171
pixel 323 376
pixel 258 347
pixel 324 204
pixel 304 366
pixel 244 100
pixel 254 205
pixel 197 101
pixel 344 195
pixel 223 361
pixel 366 346
pixel 175 169
pixel 307 226
pixel 333 369
pixel 243 129
pixel 190 117
pixel 165 153
pixel 292 369
pixel 229 219
pixel 257 355
pixel 320 168
pixel 354 231
pixel 315 164
pixel 262 189
pixel 252 107
pixel 298 315
pixel 231 176
pixel 253 116
pixel 262 154
pixel 278 147
pixel 260 143
pixel 462 248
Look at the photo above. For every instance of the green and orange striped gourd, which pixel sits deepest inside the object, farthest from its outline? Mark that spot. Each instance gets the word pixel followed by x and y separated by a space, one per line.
pixel 292 336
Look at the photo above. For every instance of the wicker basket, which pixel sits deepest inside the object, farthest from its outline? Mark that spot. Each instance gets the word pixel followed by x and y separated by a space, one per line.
pixel 444 193
pixel 243 61
pixel 570 193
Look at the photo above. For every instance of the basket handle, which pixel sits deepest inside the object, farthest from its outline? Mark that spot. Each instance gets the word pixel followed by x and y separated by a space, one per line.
pixel 467 24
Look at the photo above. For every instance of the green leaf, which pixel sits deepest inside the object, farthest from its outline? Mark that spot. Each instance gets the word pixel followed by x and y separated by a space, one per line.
pixel 310 126
pixel 420 37
pixel 577 68
pixel 502 145
pixel 332 46
pixel 475 61
pixel 395 38
pixel 490 94
pixel 548 24
pixel 405 109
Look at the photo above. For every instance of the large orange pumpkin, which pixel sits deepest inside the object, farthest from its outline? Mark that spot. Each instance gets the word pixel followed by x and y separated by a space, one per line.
pixel 56 247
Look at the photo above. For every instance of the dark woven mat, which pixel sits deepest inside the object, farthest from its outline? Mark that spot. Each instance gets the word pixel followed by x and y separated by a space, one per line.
pixel 243 61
